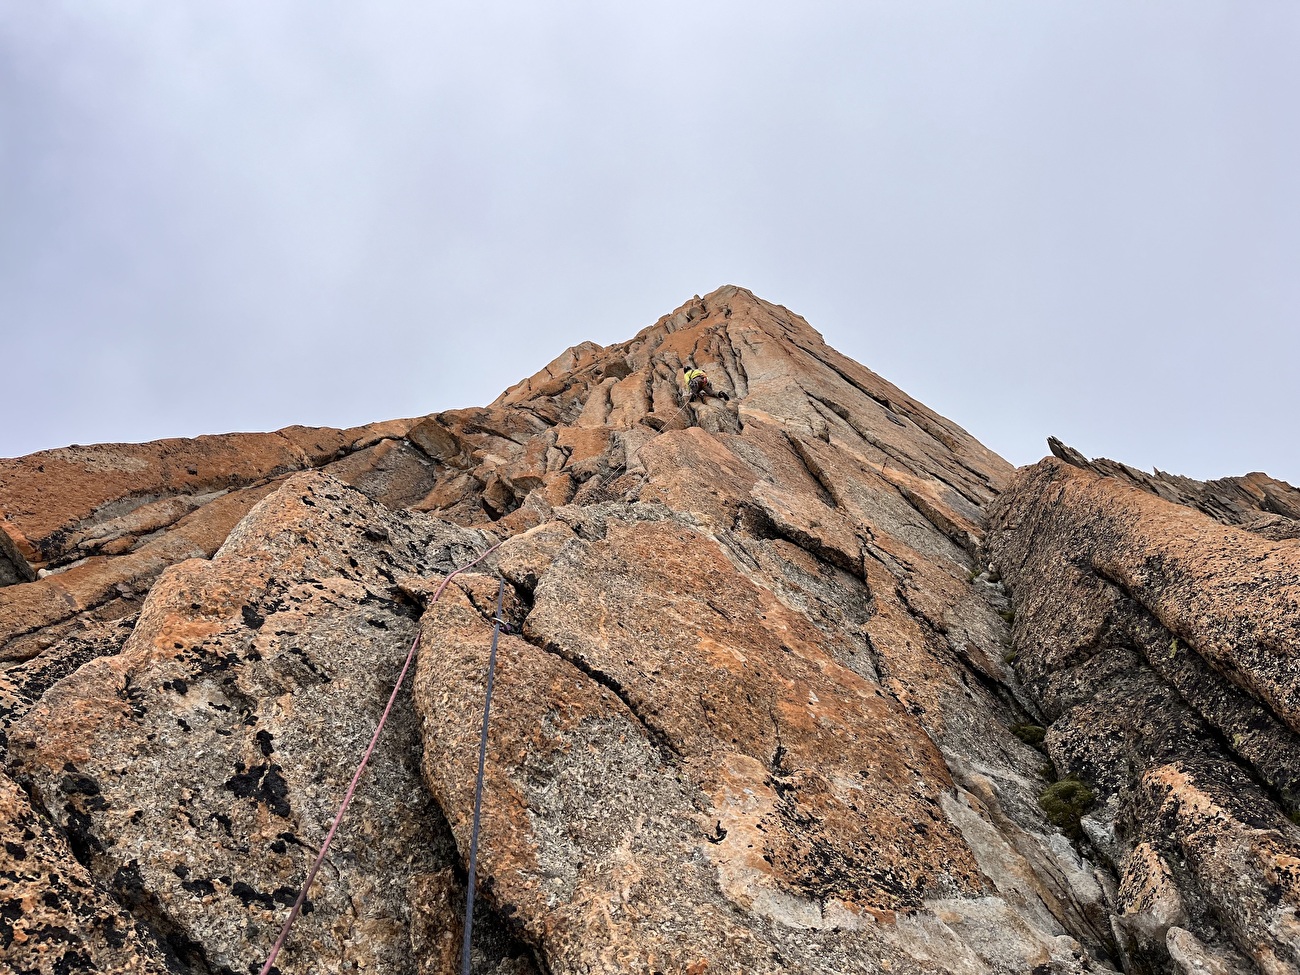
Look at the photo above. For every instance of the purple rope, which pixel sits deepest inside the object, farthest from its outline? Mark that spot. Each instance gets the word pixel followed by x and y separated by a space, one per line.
pixel 352 788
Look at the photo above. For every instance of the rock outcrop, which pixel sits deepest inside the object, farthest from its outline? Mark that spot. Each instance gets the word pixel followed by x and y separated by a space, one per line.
pixel 1255 502
pixel 1163 648
pixel 758 706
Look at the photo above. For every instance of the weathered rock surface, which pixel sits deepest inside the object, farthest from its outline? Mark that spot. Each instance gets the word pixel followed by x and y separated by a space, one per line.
pixel 75 501
pixel 194 771
pixel 1255 502
pixel 1164 650
pixel 754 712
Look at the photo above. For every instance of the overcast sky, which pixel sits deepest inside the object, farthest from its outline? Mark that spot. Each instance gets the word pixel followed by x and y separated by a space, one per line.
pixel 1079 219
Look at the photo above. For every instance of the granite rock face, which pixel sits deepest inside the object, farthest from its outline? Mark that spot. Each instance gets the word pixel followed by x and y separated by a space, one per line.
pixel 194 770
pixel 757 707
pixel 1255 502
pixel 1163 648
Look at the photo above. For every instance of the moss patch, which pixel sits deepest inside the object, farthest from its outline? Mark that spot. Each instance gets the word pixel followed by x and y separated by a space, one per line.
pixel 1030 734
pixel 1065 802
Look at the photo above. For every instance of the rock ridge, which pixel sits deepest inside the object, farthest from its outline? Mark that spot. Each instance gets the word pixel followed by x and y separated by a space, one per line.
pixel 766 704
pixel 1161 645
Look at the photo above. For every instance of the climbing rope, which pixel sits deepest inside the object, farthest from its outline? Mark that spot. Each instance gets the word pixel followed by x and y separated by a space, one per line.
pixel 478 785
pixel 347 798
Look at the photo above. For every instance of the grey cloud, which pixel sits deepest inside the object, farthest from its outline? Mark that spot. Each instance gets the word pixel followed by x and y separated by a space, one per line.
pixel 1078 220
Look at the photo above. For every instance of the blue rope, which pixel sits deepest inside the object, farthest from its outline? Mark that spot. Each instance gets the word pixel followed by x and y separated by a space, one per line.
pixel 478 786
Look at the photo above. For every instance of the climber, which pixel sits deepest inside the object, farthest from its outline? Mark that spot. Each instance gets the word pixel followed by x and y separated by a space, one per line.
pixel 697 385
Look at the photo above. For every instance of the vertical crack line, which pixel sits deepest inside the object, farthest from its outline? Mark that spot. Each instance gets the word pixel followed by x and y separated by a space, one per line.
pixel 827 489
pixel 742 374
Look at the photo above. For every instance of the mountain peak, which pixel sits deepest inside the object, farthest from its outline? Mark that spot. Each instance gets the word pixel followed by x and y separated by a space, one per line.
pixel 764 702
